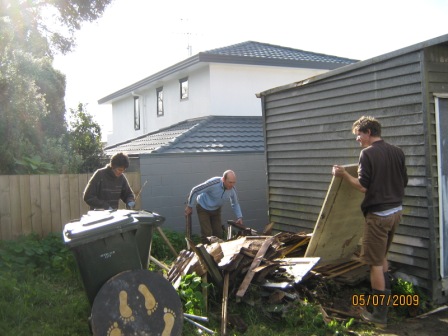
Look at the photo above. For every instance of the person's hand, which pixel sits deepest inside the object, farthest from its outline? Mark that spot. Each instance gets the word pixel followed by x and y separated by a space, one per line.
pixel 131 204
pixel 338 171
pixel 188 210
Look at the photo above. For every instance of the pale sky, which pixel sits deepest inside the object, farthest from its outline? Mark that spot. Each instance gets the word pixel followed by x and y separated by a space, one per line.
pixel 137 38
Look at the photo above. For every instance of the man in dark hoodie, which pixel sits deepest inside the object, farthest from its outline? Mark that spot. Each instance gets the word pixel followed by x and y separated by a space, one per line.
pixel 382 177
pixel 108 185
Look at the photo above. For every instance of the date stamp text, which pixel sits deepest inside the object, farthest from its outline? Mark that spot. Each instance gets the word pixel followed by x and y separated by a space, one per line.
pixel 392 300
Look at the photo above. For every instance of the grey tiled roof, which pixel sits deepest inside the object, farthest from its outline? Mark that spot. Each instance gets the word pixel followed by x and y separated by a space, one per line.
pixel 216 134
pixel 270 51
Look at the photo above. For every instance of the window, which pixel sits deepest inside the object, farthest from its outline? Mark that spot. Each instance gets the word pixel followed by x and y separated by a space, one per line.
pixel 183 88
pixel 136 113
pixel 159 93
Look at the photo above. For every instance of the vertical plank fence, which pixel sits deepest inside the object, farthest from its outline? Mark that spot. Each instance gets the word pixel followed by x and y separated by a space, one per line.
pixel 45 203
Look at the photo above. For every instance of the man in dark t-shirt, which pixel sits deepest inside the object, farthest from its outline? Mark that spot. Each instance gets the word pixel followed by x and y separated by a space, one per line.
pixel 382 177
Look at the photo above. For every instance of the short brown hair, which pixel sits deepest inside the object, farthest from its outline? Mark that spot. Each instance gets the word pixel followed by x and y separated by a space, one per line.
pixel 119 160
pixel 366 123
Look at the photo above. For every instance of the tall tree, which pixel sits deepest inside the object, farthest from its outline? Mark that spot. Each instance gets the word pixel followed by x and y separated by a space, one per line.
pixel 32 108
pixel 85 140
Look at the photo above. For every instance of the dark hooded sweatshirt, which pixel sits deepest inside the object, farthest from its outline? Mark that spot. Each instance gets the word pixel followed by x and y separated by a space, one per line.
pixel 104 190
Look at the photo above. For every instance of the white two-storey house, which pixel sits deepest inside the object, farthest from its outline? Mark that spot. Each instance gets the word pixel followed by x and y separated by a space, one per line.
pixel 221 82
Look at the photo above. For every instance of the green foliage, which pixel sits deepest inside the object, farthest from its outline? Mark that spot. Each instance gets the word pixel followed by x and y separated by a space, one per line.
pixel 22 108
pixel 307 318
pixel 30 254
pixel 405 289
pixel 32 117
pixel 40 291
pixel 85 140
pixel 160 249
pixel 190 293
pixel 34 165
pixel 59 153
pixel 43 27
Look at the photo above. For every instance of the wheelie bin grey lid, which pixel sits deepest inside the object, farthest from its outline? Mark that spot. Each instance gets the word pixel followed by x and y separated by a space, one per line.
pixel 97 225
pixel 144 216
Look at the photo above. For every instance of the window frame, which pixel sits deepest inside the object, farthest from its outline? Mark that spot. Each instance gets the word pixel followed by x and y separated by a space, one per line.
pixel 159 102
pixel 184 94
pixel 137 122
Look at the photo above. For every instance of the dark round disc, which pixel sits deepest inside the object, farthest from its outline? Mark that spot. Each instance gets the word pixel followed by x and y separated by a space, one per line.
pixel 138 302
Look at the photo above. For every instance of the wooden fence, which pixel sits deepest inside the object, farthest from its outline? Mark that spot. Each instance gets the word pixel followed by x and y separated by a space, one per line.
pixel 45 203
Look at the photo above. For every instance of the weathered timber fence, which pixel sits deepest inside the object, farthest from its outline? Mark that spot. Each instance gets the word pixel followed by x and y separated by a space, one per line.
pixel 45 203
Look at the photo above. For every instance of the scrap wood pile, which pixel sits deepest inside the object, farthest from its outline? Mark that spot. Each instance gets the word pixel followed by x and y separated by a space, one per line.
pixel 260 259
pixel 272 265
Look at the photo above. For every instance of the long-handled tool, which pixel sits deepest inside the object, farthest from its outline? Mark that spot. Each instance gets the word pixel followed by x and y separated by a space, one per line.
pixel 140 191
pixel 188 227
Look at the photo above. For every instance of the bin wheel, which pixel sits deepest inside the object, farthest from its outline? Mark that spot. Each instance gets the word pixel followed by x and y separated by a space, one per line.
pixel 138 302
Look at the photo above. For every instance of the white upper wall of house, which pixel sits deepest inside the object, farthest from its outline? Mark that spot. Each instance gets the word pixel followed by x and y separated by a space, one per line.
pixel 234 86
pixel 174 109
pixel 215 89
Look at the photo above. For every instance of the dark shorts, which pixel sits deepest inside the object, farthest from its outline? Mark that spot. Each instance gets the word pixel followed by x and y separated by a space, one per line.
pixel 377 238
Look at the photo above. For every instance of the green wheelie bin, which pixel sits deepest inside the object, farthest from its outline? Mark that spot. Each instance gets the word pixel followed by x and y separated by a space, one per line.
pixel 104 245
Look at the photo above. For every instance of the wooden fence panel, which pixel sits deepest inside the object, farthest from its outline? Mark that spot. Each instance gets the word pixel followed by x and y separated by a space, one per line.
pixel 64 196
pixel 25 203
pixel 55 203
pixel 82 183
pixel 45 203
pixel 36 209
pixel 75 196
pixel 16 218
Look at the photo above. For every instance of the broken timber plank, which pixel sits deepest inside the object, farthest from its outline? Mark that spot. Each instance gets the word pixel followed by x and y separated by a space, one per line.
pixel 209 263
pixel 205 291
pixel 339 226
pixel 343 271
pixel 225 297
pixel 255 263
pixel 159 263
pixel 289 250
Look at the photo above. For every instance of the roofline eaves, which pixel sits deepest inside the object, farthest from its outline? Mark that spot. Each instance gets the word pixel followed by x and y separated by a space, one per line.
pixel 204 57
pixel 148 80
pixel 361 64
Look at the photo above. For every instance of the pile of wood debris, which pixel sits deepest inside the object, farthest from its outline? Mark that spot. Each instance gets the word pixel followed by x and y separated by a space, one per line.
pixel 274 264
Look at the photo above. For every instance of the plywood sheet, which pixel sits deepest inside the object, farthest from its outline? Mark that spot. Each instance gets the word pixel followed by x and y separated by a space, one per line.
pixel 340 224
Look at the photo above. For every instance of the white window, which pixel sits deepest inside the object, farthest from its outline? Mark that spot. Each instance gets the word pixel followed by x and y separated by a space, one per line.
pixel 183 84
pixel 136 113
pixel 159 93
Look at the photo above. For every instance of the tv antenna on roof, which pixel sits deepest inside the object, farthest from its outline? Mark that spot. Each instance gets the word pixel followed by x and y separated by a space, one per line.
pixel 189 47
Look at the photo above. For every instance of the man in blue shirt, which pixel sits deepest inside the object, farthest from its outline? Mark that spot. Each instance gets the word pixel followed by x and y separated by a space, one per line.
pixel 210 196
